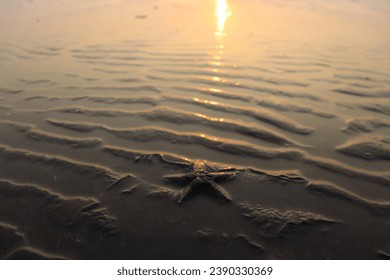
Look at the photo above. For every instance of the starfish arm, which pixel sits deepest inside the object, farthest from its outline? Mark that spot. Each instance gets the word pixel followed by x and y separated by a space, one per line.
pixel 180 178
pixel 170 159
pixel 166 158
pixel 229 169
pixel 189 190
pixel 216 190
pixel 221 176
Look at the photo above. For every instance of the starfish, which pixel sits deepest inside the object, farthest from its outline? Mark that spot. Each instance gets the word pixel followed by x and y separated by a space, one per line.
pixel 203 177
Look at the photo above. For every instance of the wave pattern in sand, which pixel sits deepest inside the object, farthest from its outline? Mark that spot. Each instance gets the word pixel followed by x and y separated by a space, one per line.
pixel 94 138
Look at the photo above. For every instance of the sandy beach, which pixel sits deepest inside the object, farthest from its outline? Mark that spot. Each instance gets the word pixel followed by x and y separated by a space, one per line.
pixel 170 129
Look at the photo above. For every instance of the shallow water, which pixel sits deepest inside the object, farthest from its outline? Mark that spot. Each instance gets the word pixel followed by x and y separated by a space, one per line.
pixel 100 101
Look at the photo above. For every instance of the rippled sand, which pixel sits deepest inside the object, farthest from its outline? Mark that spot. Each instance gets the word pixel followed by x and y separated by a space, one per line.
pixel 177 130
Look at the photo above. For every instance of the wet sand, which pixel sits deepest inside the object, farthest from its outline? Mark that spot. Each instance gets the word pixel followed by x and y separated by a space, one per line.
pixel 159 130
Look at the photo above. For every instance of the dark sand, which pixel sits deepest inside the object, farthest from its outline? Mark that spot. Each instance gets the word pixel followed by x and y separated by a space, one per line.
pixel 129 132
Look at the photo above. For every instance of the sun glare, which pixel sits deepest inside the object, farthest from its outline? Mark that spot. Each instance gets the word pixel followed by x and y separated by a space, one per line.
pixel 222 14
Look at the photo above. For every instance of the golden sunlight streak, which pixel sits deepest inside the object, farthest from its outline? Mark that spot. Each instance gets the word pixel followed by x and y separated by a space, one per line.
pixel 222 14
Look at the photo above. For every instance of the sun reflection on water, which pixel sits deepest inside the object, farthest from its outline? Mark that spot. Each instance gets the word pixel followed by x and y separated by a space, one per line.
pixel 222 14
